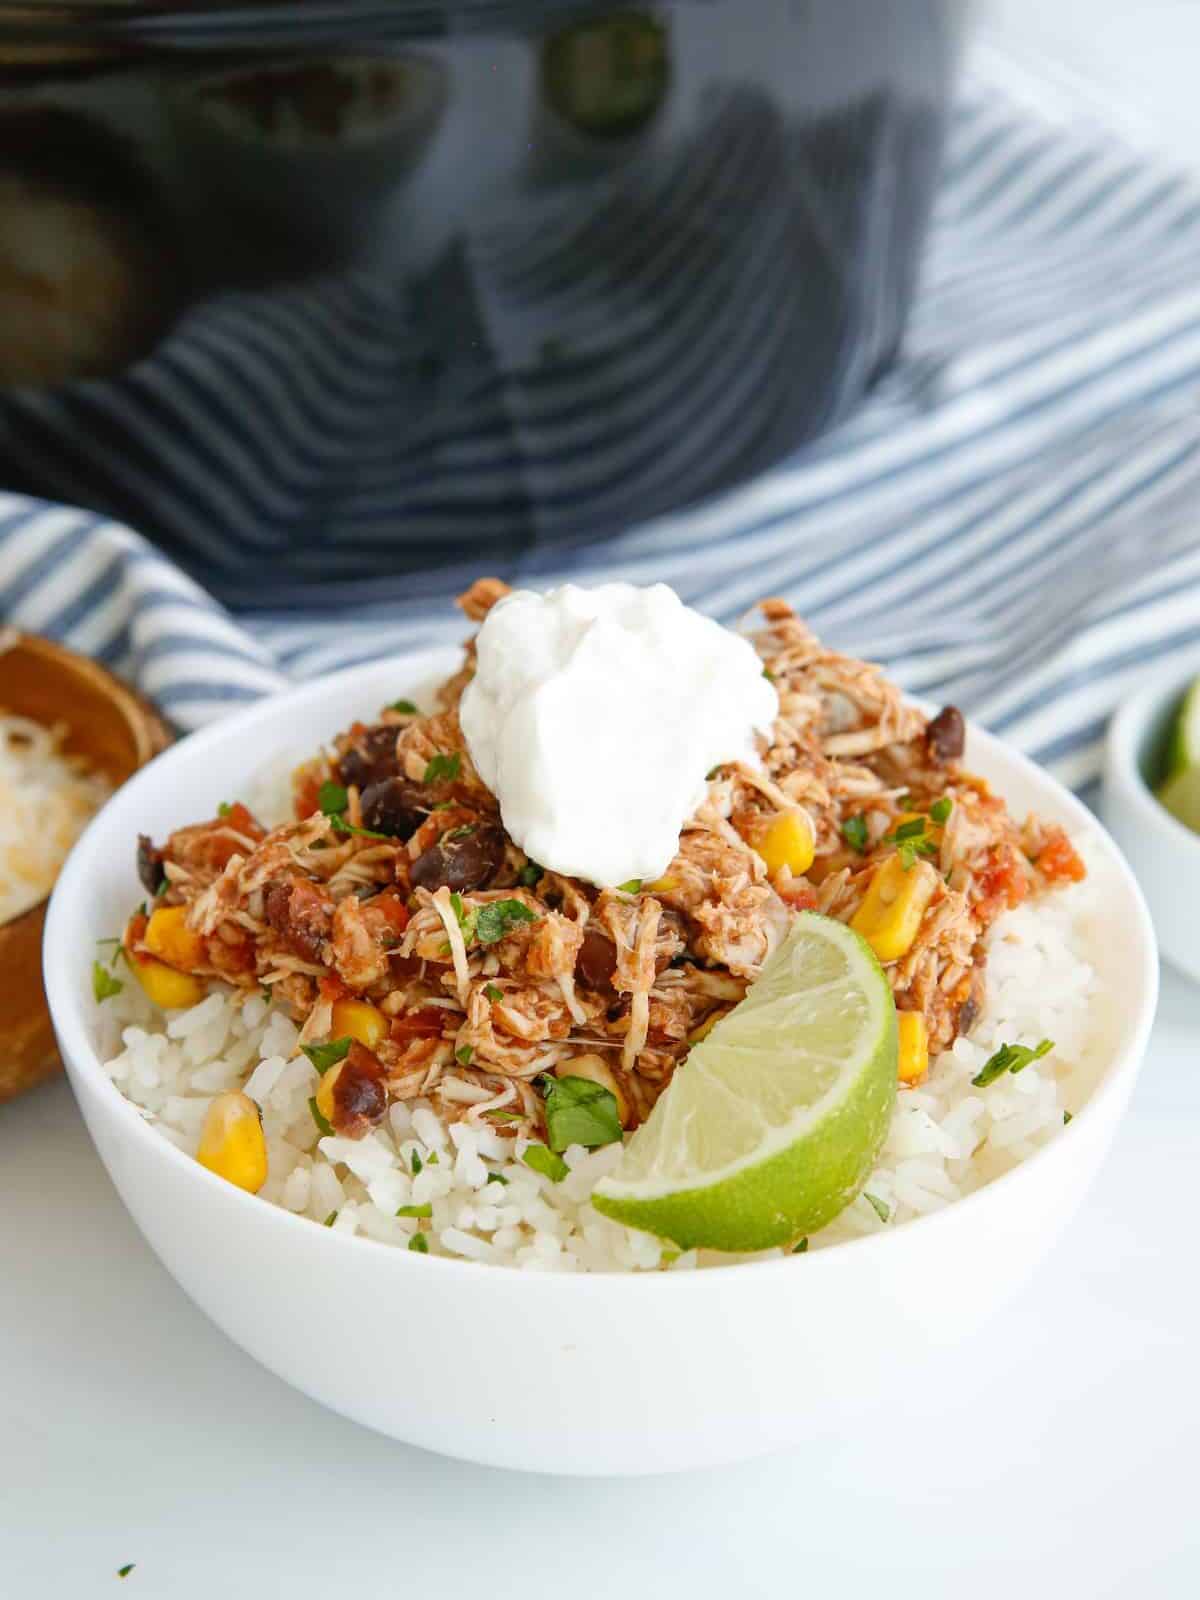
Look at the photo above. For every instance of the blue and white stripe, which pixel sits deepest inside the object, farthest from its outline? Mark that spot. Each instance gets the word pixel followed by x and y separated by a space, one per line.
pixel 1009 522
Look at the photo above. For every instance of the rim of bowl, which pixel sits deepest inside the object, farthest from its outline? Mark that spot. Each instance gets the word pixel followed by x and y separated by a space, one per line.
pixel 80 1054
pixel 146 726
pixel 1121 762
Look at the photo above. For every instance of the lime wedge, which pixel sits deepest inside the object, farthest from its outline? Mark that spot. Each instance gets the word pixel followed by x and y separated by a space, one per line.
pixel 1181 796
pixel 775 1120
pixel 1184 749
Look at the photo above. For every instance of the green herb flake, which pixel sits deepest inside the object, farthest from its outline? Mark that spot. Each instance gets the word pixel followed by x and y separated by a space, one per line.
pixel 340 825
pixel 499 917
pixel 443 769
pixel 332 797
pixel 800 1249
pixel 856 833
pixel 104 985
pixel 123 1572
pixel 631 886
pixel 940 810
pixel 463 1055
pixel 1010 1058
pixel 497 1177
pixel 909 830
pixel 405 707
pixel 504 1116
pixel 417 1163
pixel 224 808
pixel 464 832
pixel 881 1210
pixel 579 1111
pixel 324 1056
pixel 431 1160
pixel 419 1243
pixel 323 1127
pixel 330 1220
pixel 1066 1118
pixel 529 874
pixel 768 675
pixel 265 991
pixel 414 1211
pixel 493 993
pixel 547 1162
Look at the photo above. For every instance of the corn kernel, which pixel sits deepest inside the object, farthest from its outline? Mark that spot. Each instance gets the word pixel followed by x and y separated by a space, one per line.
pixel 171 990
pixel 891 912
pixel 169 938
pixel 661 885
pixel 595 1069
pixel 232 1143
pixel 789 843
pixel 358 1020
pixel 324 1094
pixel 913 1059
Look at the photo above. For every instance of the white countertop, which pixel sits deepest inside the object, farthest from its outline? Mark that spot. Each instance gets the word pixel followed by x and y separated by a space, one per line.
pixel 1056 1455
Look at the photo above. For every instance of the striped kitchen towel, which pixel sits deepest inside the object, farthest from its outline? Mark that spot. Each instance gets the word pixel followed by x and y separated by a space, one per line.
pixel 1011 522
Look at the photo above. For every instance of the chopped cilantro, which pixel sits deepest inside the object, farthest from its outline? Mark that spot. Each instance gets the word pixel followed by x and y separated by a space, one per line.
pixel 332 797
pixel 504 1116
pixel 431 1160
pixel 547 1162
pixel 404 706
pixel 464 832
pixel 630 886
pixel 417 1163
pixel 342 826
pixel 493 993
pixel 911 841
pixel 104 985
pixel 443 769
pixel 497 1177
pixel 1010 1058
pixel 940 810
pixel 330 1220
pixel 123 1572
pixel 529 874
pixel 881 1210
pixel 463 1055
pixel 419 1243
pixel 323 1127
pixel 579 1111
pixel 768 675
pixel 854 831
pixel 264 990
pixel 914 829
pixel 224 808
pixel 324 1056
pixel 499 917
pixel 1066 1118
pixel 711 774
pixel 801 1248
pixel 414 1211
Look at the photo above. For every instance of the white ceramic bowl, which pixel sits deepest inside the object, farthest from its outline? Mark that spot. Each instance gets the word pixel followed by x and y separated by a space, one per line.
pixel 1164 855
pixel 561 1373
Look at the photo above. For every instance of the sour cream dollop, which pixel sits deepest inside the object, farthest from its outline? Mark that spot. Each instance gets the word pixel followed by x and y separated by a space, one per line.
pixel 594 716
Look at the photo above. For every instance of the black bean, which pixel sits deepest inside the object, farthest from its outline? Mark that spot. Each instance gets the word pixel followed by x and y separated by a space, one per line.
pixel 596 962
pixel 461 859
pixel 149 864
pixel 946 735
pixel 370 758
pixel 395 806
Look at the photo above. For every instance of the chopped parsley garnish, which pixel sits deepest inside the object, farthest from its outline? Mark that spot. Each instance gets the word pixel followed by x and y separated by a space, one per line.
pixel 419 1243
pixel 431 1160
pixel 940 810
pixel 768 675
pixel 104 985
pixel 1066 1118
pixel 323 1127
pixel 414 1211
pixel 224 808
pixel 504 1116
pixel 333 799
pixel 417 1163
pixel 493 993
pixel 324 1056
pixel 463 1055
pixel 404 706
pixel 443 769
pixel 801 1248
pixel 879 1207
pixel 1010 1058
pixel 265 991
pixel 547 1162
pixel 529 874
pixel 497 1177
pixel 855 833
pixel 464 832
pixel 630 886
pixel 330 1220
pixel 499 917
pixel 911 841
pixel 579 1111
pixel 123 1572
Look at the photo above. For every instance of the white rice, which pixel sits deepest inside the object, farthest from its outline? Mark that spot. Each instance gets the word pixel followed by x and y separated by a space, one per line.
pixel 46 801
pixel 947 1137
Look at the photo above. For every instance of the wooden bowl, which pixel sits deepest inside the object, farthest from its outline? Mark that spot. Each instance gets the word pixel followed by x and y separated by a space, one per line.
pixel 116 732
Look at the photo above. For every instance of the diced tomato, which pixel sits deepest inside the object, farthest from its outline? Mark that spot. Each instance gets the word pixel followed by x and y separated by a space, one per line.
pixel 425 1023
pixel 1003 883
pixel 391 910
pixel 797 892
pixel 1059 861
pixel 306 788
pixel 240 818
pixel 332 988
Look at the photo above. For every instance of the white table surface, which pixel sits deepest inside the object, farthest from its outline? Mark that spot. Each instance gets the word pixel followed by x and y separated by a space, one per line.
pixel 1057 1454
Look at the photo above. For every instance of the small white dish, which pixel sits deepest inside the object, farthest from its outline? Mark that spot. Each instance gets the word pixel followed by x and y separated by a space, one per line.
pixel 563 1373
pixel 1164 855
